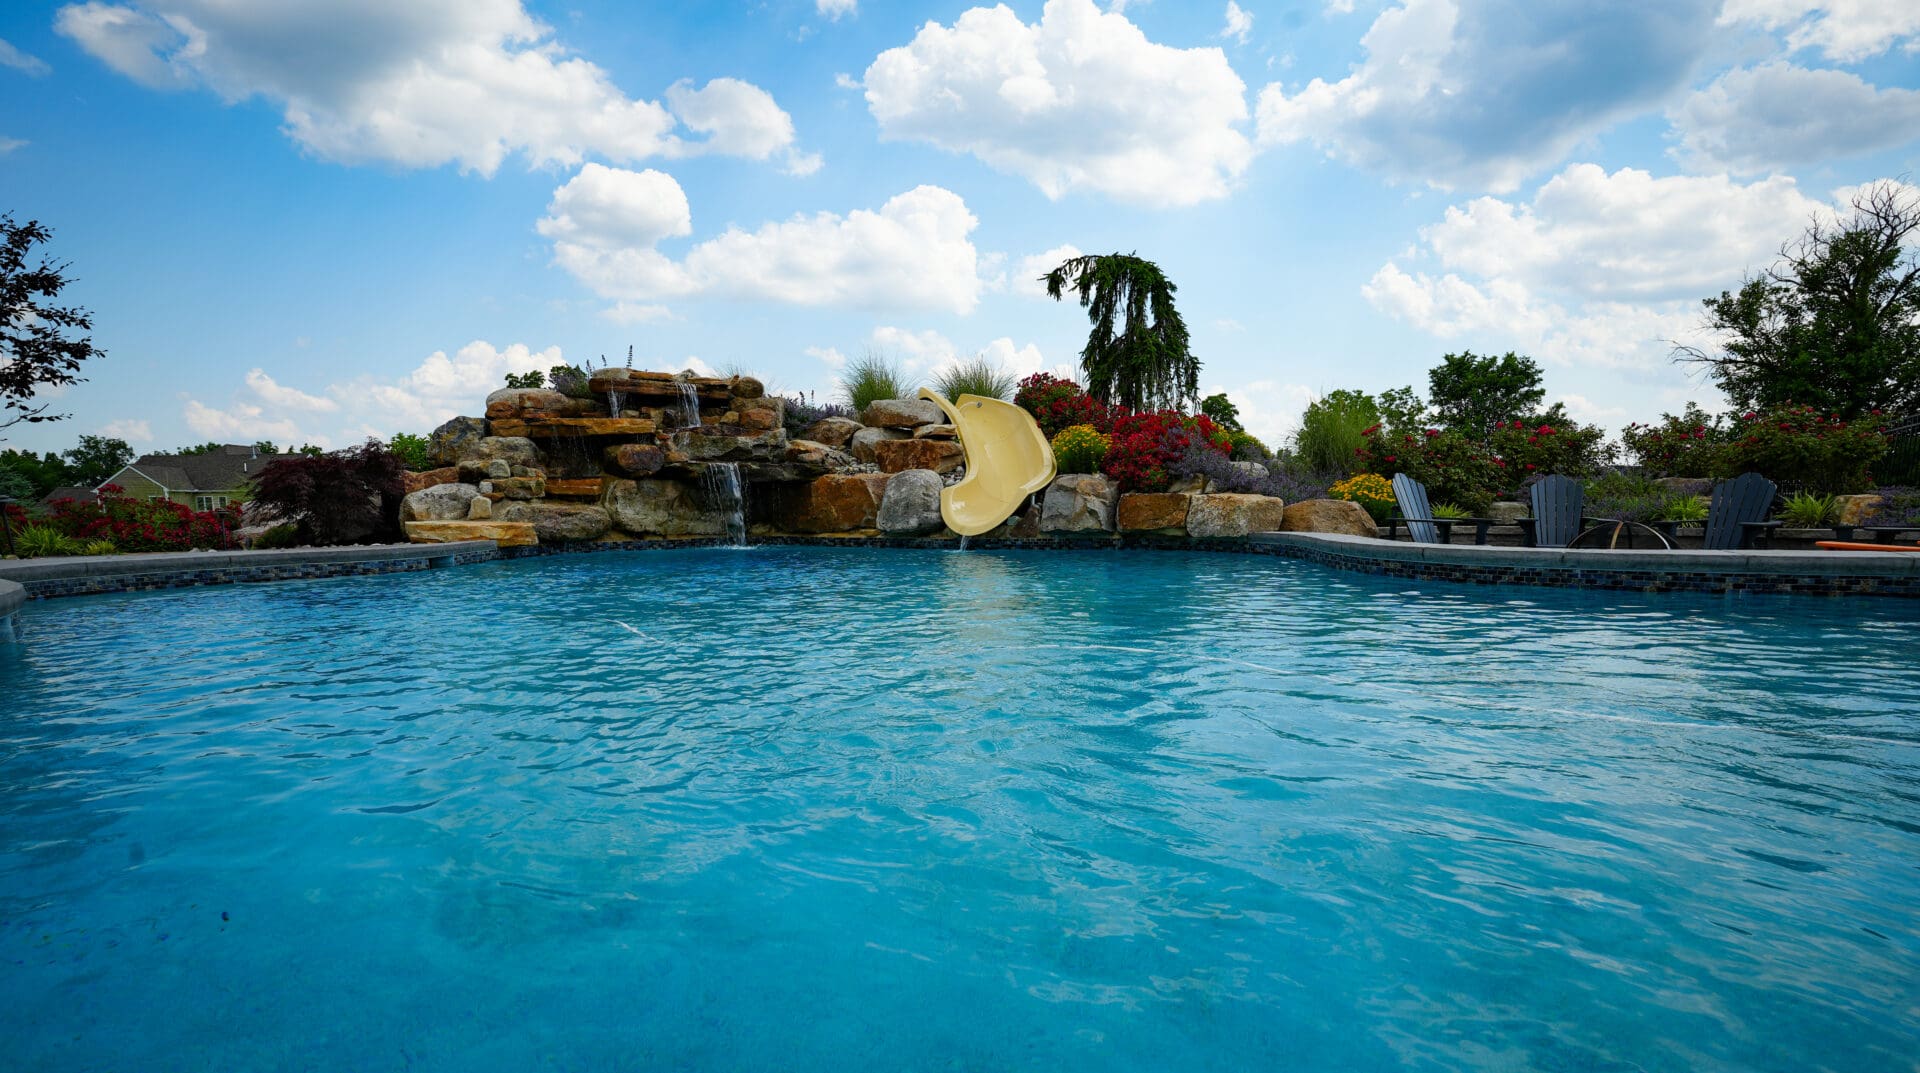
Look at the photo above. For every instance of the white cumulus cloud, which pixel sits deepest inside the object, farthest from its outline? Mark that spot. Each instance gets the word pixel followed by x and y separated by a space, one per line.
pixel 440 387
pixel 286 398
pixel 1487 94
pixel 1080 100
pixel 1599 269
pixel 1029 273
pixel 913 252
pixel 1239 23
pixel 836 9
pixel 1842 30
pixel 244 422
pixel 129 429
pixel 31 66
pixel 420 84
pixel 1778 115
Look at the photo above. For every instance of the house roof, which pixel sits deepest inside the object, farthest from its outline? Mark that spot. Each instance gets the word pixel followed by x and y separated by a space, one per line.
pixel 68 491
pixel 213 471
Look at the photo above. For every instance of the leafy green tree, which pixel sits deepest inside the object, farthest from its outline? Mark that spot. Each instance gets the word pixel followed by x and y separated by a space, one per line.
pixel 1403 411
pixel 39 344
pixel 1472 394
pixel 1834 324
pixel 96 458
pixel 1136 355
pixel 411 450
pixel 1333 430
pixel 44 472
pixel 1223 412
pixel 16 485
pixel 206 448
pixel 526 380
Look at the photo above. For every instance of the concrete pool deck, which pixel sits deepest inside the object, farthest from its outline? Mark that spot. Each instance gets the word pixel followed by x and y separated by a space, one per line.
pixel 1822 573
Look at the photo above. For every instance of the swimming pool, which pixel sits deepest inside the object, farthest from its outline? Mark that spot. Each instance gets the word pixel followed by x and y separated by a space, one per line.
pixel 814 809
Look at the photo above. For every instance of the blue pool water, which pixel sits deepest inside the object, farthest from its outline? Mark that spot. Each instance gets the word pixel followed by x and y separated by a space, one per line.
pixel 801 809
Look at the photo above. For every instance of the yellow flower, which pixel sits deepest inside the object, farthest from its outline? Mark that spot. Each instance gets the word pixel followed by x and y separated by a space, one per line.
pixel 1079 449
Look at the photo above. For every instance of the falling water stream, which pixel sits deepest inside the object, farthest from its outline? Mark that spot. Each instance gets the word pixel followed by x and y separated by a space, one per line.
pixel 721 482
pixel 689 405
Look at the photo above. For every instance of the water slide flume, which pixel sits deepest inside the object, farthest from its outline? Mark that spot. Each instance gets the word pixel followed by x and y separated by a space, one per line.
pixel 1008 459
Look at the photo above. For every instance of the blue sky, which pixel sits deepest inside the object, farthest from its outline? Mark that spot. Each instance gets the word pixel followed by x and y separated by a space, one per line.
pixel 319 221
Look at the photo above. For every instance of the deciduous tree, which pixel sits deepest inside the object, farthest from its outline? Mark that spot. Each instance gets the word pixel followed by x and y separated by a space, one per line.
pixel 1834 324
pixel 41 344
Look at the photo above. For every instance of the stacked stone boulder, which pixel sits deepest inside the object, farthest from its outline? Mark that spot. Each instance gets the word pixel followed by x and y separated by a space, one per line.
pixel 635 460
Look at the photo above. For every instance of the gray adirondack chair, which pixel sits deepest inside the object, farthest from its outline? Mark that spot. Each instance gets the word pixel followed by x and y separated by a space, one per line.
pixel 1411 496
pixel 1558 503
pixel 1738 511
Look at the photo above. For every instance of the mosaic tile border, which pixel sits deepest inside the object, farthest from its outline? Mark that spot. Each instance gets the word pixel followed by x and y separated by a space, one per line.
pixel 1818 574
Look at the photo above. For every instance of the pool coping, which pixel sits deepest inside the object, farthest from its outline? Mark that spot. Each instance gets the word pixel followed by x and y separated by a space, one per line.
pixel 1827 573
pixel 92 575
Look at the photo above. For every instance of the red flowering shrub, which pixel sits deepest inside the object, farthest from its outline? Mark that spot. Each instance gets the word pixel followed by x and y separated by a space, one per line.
pixel 1058 405
pixel 1802 449
pixel 1693 444
pixel 1145 447
pixel 141 524
pixel 1470 474
pixel 1530 449
pixel 1456 470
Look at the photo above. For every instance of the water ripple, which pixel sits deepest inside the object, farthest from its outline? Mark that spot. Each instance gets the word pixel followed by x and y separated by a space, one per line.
pixel 993 810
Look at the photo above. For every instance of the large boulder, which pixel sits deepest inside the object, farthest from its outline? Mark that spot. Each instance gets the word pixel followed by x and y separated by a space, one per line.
pixel 1327 516
pixel 767 446
pixel 1078 503
pixel 512 402
pixel 863 442
pixel 835 503
pixel 633 459
pixel 440 503
pixel 746 387
pixel 1152 512
pixel 514 488
pixel 660 508
pixel 513 450
pixel 901 413
pixel 756 420
pixel 560 523
pixel 1855 509
pixel 936 432
pixel 505 534
pixel 1505 512
pixel 911 505
pixel 1235 515
pixel 448 444
pixel 819 458
pixel 1193 485
pixel 413 482
pixel 832 431
pixel 773 404
pixel 899 456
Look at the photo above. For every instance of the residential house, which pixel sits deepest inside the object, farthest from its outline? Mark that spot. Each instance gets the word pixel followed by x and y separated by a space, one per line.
pixel 205 481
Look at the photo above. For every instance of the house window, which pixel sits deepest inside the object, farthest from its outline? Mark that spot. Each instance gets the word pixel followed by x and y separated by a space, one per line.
pixel 208 502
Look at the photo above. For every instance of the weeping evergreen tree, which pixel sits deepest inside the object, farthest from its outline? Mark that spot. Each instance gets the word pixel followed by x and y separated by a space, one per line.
pixel 1136 356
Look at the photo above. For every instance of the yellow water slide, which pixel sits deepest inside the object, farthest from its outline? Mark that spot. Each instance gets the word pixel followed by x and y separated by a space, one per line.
pixel 1008 459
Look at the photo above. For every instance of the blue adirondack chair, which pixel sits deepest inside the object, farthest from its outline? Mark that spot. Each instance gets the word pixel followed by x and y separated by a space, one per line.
pixel 1558 506
pixel 1738 512
pixel 1411 496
